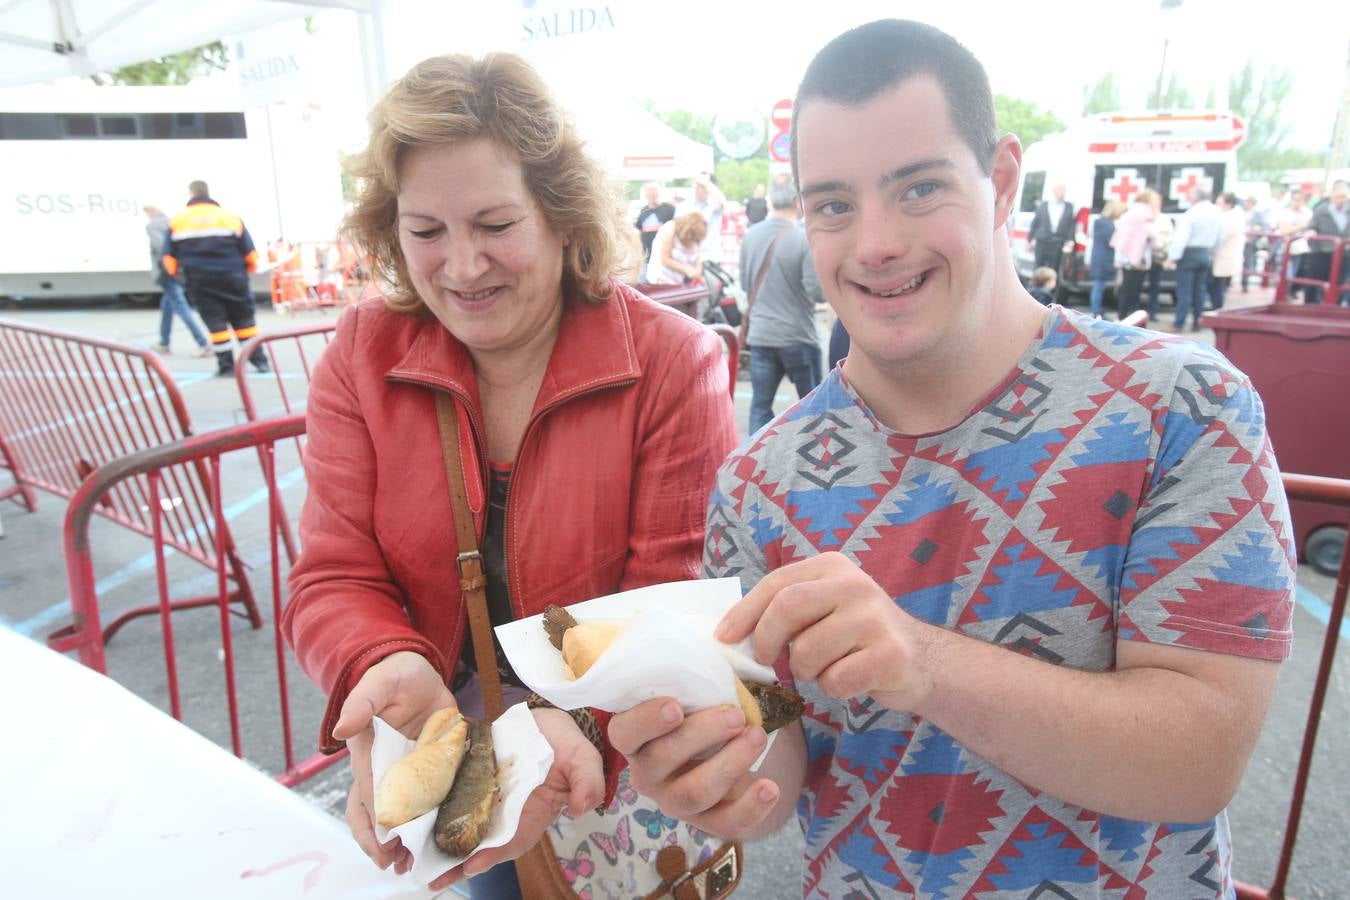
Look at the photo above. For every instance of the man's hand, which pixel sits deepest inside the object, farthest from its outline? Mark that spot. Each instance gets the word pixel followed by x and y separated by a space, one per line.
pixel 575 781
pixel 847 634
pixel 404 689
pixel 697 767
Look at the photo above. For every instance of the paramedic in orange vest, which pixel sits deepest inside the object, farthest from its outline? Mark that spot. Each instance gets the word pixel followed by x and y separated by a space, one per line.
pixel 215 253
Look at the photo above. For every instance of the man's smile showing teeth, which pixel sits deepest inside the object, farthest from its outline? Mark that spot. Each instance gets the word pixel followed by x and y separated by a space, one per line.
pixel 479 295
pixel 905 288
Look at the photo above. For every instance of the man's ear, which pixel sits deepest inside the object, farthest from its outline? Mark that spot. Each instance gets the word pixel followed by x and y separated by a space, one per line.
pixel 1006 175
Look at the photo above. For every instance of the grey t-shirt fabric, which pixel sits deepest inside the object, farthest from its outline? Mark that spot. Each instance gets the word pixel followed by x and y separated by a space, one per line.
pixel 784 312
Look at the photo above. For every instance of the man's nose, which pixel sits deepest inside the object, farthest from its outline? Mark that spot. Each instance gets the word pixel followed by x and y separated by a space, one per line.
pixel 881 236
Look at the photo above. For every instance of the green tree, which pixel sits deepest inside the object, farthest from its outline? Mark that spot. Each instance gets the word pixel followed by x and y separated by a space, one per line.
pixel 690 124
pixel 176 68
pixel 1102 96
pixel 737 177
pixel 1258 100
pixel 1025 119
pixel 1176 95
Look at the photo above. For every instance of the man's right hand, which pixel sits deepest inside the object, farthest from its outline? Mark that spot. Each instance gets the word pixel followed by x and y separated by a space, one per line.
pixel 403 689
pixel 697 767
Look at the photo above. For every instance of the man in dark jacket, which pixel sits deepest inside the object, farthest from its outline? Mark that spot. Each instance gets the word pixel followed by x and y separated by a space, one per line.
pixel 651 217
pixel 215 253
pixel 1051 229
pixel 1330 218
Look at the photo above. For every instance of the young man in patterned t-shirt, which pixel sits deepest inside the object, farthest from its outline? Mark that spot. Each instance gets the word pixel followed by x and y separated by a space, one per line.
pixel 1031 571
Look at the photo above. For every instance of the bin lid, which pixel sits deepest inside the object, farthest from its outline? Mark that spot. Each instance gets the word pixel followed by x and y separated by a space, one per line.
pixel 1295 321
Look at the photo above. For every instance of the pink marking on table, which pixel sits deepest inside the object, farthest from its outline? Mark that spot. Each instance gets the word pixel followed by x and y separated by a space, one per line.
pixel 317 857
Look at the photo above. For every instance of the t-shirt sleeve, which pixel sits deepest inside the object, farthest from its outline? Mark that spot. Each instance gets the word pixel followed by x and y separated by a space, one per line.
pixel 1210 564
pixel 730 545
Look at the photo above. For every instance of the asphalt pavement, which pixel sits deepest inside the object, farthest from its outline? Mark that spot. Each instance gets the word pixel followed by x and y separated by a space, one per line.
pixel 34 601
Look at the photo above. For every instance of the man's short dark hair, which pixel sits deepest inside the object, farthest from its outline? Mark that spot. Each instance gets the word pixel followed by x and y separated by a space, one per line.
pixel 198 189
pixel 861 64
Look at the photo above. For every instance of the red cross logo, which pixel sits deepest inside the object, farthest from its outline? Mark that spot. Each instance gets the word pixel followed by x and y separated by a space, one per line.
pixel 1124 186
pixel 1186 181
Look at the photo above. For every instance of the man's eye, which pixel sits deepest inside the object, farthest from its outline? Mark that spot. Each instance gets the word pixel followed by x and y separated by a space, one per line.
pixel 833 208
pixel 921 190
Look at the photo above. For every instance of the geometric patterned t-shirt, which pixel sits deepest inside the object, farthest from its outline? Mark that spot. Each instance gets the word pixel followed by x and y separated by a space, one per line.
pixel 1117 486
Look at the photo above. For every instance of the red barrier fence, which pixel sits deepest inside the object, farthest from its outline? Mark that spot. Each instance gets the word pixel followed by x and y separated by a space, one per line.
pixel 1324 490
pixel 69 404
pixel 151 469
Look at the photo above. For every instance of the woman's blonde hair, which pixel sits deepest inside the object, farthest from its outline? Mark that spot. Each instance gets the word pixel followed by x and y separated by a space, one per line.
pixel 448 99
pixel 1113 209
pixel 691 228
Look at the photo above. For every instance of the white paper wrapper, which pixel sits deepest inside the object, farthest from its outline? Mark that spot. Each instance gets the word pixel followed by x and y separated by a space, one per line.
pixel 667 650
pixel 523 760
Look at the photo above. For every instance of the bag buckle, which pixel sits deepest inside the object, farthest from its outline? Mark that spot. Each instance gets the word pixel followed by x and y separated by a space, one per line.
pixel 722 877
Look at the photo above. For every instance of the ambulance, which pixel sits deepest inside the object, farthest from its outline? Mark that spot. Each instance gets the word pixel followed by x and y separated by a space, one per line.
pixel 81 160
pixel 1115 156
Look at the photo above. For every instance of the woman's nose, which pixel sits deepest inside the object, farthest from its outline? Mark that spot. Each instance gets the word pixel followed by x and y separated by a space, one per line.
pixel 464 262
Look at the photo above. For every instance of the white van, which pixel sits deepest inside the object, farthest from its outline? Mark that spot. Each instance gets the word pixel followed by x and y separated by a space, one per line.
pixel 80 161
pixel 1114 156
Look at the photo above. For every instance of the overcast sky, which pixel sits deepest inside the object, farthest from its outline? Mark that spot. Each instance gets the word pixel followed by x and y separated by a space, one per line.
pixel 726 54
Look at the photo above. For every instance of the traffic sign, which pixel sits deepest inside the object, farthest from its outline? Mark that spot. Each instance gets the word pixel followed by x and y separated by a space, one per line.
pixel 781 116
pixel 779 148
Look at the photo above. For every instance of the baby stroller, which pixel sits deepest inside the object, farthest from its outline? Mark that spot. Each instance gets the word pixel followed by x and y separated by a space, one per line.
pixel 725 297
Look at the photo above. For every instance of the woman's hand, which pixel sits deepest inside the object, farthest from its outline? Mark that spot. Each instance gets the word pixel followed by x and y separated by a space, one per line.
pixel 575 781
pixel 403 689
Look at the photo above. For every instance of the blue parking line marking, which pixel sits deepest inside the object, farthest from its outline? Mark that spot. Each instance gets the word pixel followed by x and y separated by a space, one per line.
pixel 146 563
pixel 1320 610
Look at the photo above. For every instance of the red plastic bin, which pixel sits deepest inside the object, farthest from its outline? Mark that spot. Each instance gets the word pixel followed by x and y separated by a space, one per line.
pixel 1298 358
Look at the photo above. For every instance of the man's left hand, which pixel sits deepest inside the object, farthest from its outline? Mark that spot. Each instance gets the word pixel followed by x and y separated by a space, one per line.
pixel 846 632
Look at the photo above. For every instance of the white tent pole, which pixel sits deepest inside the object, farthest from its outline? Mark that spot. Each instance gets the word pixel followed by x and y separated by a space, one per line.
pixel 373 67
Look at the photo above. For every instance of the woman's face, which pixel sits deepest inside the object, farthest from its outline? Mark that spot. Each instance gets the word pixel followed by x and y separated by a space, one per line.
pixel 479 251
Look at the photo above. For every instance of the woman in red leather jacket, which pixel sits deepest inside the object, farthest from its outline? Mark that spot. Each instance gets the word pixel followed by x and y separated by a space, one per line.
pixel 591 418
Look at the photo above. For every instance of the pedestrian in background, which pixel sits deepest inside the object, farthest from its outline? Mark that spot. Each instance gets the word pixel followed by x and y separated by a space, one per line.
pixel 172 302
pixel 1192 255
pixel 1102 265
pixel 1294 225
pixel 1228 255
pixel 709 202
pixel 651 217
pixel 1052 228
pixel 756 207
pixel 776 262
pixel 1043 284
pixel 215 252
pixel 677 252
pixel 1132 241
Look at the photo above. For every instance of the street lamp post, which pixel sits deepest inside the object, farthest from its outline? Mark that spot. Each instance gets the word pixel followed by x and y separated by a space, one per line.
pixel 1162 67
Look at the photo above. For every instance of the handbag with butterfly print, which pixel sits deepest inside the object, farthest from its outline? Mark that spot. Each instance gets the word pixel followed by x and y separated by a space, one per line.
pixel 630 851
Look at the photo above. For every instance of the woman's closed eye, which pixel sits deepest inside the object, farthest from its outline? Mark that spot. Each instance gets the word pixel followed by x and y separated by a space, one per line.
pixel 426 234
pixel 496 227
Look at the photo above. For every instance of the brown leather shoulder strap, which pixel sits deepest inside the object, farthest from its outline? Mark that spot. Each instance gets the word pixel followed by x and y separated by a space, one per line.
pixel 472 578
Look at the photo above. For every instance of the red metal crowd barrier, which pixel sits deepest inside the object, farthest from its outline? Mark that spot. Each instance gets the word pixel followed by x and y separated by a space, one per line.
pixel 293 353
pixel 1325 490
pixel 732 341
pixel 1330 287
pixel 70 403
pixel 151 470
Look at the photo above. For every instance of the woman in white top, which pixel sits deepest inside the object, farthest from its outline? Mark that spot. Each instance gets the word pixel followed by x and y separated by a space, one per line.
pixel 676 258
pixel 1228 254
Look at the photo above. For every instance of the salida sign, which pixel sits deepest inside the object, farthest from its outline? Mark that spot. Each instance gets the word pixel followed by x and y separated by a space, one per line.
pixel 563 22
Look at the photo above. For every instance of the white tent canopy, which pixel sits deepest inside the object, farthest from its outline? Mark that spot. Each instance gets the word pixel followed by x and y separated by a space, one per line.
pixel 634 145
pixel 42 40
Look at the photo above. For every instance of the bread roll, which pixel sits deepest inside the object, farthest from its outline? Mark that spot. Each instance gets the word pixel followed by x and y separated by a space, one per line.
pixel 418 782
pixel 583 643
